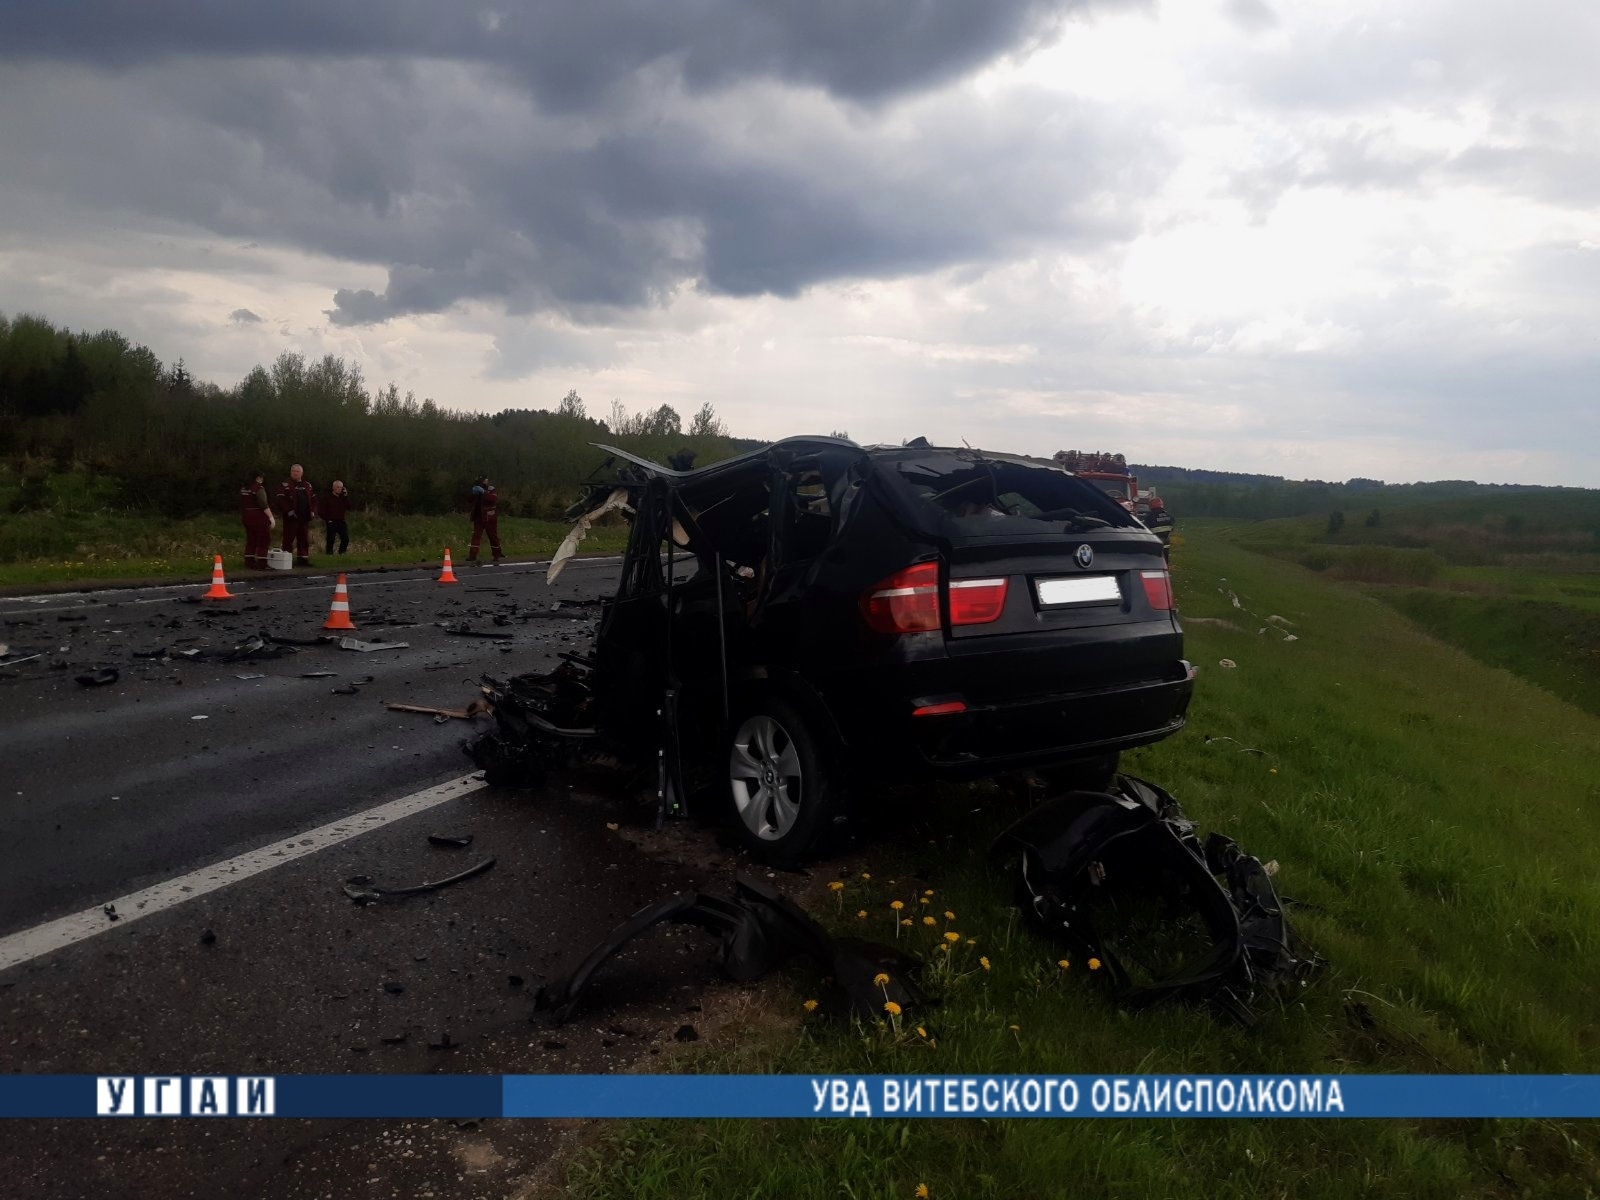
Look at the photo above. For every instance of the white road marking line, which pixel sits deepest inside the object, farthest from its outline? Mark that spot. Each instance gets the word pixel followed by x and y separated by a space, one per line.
pixel 91 599
pixel 29 944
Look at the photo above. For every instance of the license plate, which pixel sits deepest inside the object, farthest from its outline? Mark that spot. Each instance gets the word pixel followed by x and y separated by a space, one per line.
pixel 1080 589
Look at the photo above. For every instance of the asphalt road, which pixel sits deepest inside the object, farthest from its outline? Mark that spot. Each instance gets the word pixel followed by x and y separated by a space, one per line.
pixel 109 789
pixel 105 789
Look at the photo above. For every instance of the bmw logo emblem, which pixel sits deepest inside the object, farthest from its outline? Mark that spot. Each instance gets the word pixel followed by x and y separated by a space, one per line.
pixel 1085 555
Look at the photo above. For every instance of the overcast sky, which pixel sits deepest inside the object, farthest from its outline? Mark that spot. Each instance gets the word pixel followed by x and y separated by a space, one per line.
pixel 1319 239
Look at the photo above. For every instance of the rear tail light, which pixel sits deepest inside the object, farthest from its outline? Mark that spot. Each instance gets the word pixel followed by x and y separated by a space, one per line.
pixel 1157 589
pixel 906 602
pixel 976 601
pixel 944 708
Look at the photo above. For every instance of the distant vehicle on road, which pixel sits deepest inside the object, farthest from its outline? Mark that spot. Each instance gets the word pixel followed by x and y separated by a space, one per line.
pixel 799 626
pixel 1110 473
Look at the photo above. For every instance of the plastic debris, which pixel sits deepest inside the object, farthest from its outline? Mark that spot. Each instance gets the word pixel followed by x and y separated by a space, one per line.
pixel 362 890
pixel 452 841
pixel 99 678
pixel 1227 663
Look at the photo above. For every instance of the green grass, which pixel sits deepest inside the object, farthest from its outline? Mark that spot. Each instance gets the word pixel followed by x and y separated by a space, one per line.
pixel 95 546
pixel 1438 818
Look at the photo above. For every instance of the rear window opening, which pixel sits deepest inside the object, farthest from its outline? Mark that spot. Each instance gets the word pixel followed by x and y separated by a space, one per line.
pixel 981 496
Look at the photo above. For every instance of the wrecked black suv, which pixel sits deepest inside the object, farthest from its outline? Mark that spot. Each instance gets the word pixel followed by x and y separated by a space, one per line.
pixel 798 627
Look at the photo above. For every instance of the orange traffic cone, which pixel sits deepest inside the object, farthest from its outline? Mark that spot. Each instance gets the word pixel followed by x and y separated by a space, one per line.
pixel 339 614
pixel 219 589
pixel 447 575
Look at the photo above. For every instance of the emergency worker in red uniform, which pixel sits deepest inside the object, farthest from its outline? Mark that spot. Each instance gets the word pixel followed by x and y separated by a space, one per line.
pixel 485 518
pixel 297 505
pixel 256 512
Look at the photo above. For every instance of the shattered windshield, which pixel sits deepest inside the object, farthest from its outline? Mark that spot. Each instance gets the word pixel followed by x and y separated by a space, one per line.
pixel 987 496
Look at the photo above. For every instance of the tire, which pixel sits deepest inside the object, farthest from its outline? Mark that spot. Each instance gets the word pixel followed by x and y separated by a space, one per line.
pixel 785 794
pixel 1089 775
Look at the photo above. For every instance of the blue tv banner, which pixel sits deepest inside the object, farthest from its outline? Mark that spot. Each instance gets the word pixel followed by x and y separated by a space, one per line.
pixel 897 1096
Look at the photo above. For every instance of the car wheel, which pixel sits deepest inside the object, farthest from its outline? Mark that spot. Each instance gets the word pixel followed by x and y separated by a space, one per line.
pixel 1090 775
pixel 783 788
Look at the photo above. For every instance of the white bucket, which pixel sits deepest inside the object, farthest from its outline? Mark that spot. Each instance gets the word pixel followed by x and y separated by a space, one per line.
pixel 279 560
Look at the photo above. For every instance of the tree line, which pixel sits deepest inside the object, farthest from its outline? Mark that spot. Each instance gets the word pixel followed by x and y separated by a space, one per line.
pixel 179 446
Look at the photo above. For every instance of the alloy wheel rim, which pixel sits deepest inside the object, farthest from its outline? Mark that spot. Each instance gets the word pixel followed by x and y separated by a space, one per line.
pixel 765 777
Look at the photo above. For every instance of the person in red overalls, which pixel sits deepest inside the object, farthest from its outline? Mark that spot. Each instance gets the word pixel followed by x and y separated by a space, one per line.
pixel 485 518
pixel 256 512
pixel 297 505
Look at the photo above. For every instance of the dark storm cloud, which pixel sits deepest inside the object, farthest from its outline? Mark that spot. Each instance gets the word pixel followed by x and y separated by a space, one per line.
pixel 609 153
pixel 464 188
pixel 243 316
pixel 568 53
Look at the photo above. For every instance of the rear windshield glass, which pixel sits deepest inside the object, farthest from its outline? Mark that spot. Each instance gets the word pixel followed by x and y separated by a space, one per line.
pixel 983 496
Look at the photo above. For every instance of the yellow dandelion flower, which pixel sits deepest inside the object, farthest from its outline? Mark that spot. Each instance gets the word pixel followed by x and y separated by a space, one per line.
pixel 861 914
pixel 864 875
pixel 897 905
pixel 922 899
pixel 836 886
pixel 921 1032
pixel 929 921
pixel 1014 1028
pixel 984 962
pixel 1272 770
pixel 1063 964
pixel 890 1007
pixel 879 979
pixel 943 946
pixel 972 941
pixel 1094 964
pixel 952 936
pixel 922 1192
pixel 929 892
pixel 906 922
pixel 948 915
pixel 810 1006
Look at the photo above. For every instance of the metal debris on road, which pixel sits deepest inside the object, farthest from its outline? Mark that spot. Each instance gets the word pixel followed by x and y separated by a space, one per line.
pixel 350 643
pixel 17 662
pixel 462 629
pixel 452 841
pixel 99 678
pixel 257 675
pixel 362 890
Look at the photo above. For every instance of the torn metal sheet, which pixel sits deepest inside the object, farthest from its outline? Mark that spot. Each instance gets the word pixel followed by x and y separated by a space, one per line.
pixel 759 930
pixel 1121 877
pixel 350 643
pixel 616 501
pixel 362 890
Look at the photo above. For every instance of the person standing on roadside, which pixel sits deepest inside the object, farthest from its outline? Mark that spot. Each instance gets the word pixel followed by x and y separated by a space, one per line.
pixel 256 512
pixel 485 518
pixel 297 505
pixel 335 508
